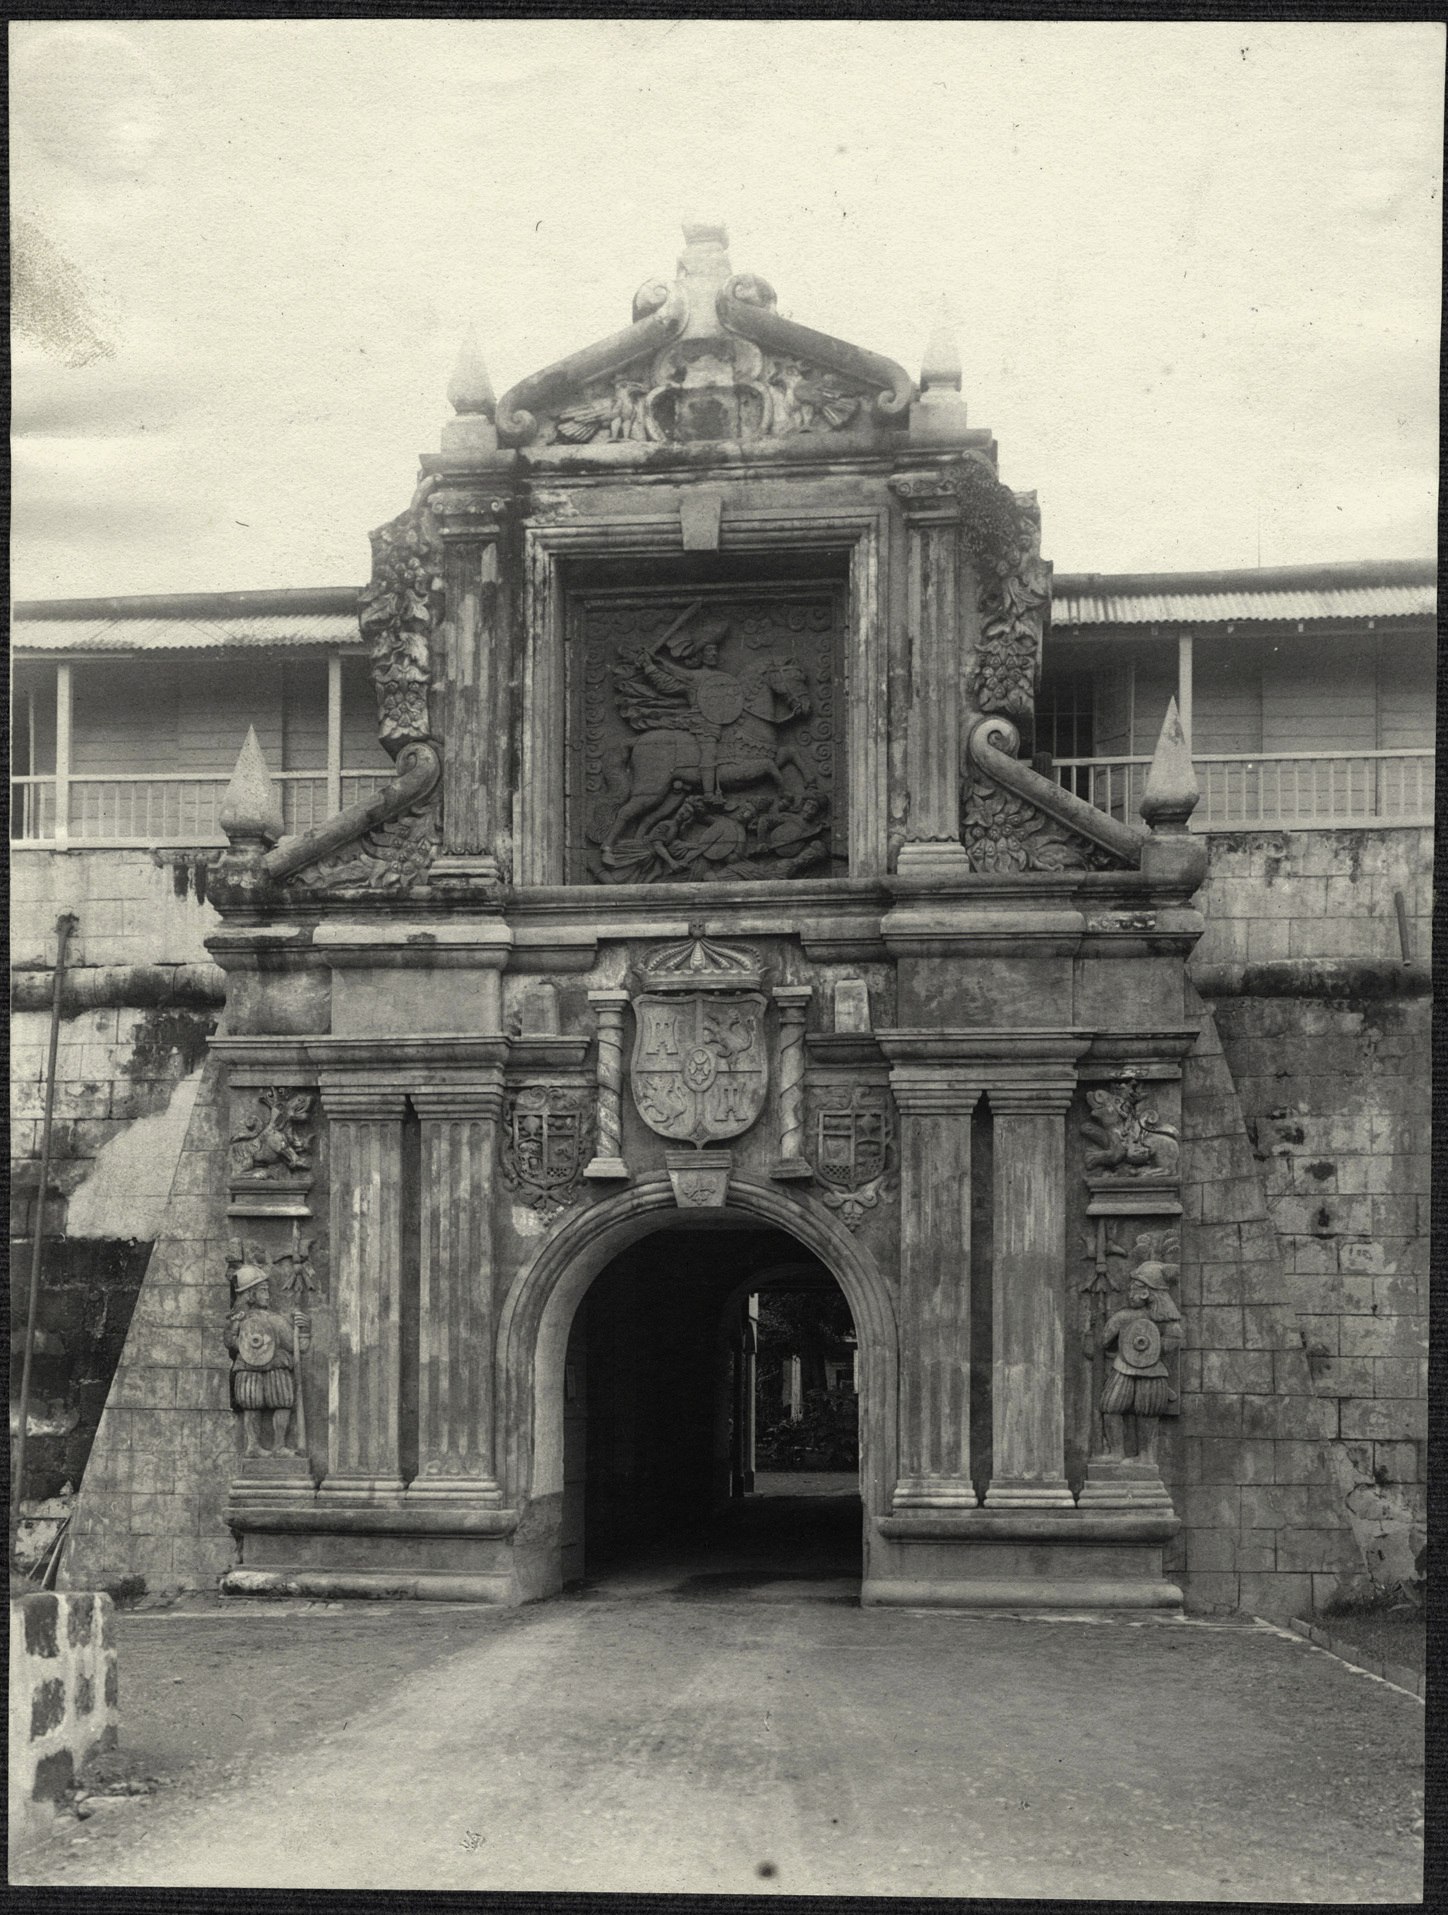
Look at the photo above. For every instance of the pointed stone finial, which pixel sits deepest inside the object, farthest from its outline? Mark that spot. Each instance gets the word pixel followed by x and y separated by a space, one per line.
pixel 470 390
pixel 470 393
pixel 1171 791
pixel 940 368
pixel 705 232
pixel 939 411
pixel 250 814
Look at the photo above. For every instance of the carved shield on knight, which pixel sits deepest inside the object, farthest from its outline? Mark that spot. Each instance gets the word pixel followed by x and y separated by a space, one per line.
pixel 545 1144
pixel 700 1067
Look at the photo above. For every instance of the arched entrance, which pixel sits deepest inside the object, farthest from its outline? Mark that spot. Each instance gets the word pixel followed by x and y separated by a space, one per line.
pixel 539 1321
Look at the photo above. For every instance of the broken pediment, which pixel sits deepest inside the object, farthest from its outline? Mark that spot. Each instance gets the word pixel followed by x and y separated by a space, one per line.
pixel 707 357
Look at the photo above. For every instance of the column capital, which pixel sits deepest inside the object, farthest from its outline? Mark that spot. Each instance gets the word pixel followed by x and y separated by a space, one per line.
pixel 792 998
pixel 609 1000
pixel 935 1089
pixel 1024 1099
pixel 364 1102
pixel 437 1102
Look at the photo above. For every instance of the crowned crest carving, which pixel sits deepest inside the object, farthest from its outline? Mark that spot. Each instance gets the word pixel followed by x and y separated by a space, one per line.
pixel 707 734
pixel 708 357
pixel 700 1065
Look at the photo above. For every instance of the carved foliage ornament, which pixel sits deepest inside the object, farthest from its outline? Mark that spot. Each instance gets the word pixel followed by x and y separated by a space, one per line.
pixel 547 1134
pixel 1003 532
pixel 854 1148
pixel 1002 832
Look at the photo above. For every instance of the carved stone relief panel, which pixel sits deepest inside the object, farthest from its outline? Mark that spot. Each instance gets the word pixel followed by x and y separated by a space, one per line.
pixel 546 1138
pixel 271 1154
pixel 703 736
pixel 853 1147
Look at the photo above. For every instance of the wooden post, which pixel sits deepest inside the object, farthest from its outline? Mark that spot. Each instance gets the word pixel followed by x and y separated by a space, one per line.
pixel 63 723
pixel 334 733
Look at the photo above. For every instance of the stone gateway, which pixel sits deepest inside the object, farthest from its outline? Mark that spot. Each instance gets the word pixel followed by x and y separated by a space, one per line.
pixel 714 921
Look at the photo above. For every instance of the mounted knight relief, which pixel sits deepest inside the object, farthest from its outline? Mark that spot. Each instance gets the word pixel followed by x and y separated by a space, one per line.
pixel 706 729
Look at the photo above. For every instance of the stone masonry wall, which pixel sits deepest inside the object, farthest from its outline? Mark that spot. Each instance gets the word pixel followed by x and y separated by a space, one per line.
pixel 1306 1111
pixel 64 1698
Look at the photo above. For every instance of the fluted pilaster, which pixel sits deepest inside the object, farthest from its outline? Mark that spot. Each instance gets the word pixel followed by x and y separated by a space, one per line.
pixel 457 1318
pixel 367 1260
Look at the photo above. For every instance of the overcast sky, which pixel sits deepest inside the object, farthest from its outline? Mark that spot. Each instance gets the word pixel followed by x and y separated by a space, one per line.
pixel 1195 267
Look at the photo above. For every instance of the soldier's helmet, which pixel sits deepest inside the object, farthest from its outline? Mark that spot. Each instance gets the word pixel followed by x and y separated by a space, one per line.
pixel 248 1276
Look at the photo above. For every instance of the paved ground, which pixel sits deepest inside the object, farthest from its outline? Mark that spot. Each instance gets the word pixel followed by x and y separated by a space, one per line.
pixel 698 1728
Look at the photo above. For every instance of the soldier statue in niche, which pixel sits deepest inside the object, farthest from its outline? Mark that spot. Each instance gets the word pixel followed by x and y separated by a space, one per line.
pixel 264 1347
pixel 1138 1339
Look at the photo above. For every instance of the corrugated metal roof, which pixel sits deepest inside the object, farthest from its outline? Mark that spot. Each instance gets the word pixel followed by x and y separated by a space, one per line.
pixel 252 632
pixel 1282 593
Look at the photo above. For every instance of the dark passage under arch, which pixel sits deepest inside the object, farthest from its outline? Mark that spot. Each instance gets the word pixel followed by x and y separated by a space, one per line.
pixel 681 1473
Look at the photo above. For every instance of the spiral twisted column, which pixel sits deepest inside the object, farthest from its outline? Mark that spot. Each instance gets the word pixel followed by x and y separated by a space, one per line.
pixel 793 1000
pixel 609 1165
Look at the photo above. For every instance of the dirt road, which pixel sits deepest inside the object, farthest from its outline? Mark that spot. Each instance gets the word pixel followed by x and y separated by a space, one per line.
pixel 739 1743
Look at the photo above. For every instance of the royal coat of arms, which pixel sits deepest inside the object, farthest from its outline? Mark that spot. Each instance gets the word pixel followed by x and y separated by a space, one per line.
pixel 546 1137
pixel 700 1068
pixel 853 1148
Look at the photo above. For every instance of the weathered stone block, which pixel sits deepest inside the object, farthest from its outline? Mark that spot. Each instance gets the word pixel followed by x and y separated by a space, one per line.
pixel 1218 1329
pixel 1240 1370
pixel 1274 1506
pixel 1215 1506
pixel 41 1621
pixel 1389 1419
pixel 1222 1284
pixel 1318 1551
pixel 1212 1415
pixel 1403 1336
pixel 1276 1595
pixel 1257 1549
pixel 47 1707
pixel 1210 1592
pixel 1210 1549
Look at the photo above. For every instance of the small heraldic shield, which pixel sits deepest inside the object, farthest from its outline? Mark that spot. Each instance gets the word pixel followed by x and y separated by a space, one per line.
pixel 256 1343
pixel 1140 1344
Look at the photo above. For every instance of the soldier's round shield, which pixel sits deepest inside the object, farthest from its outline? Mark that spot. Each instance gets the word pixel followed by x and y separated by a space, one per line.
pixel 1140 1344
pixel 256 1344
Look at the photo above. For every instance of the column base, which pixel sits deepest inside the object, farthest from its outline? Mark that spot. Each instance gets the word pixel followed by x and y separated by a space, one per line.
pixel 361 1491
pixel 1123 1482
pixel 462 1492
pixel 934 1492
pixel 608 1170
pixel 1025 1493
pixel 938 857
pixel 791 1169
pixel 469 868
